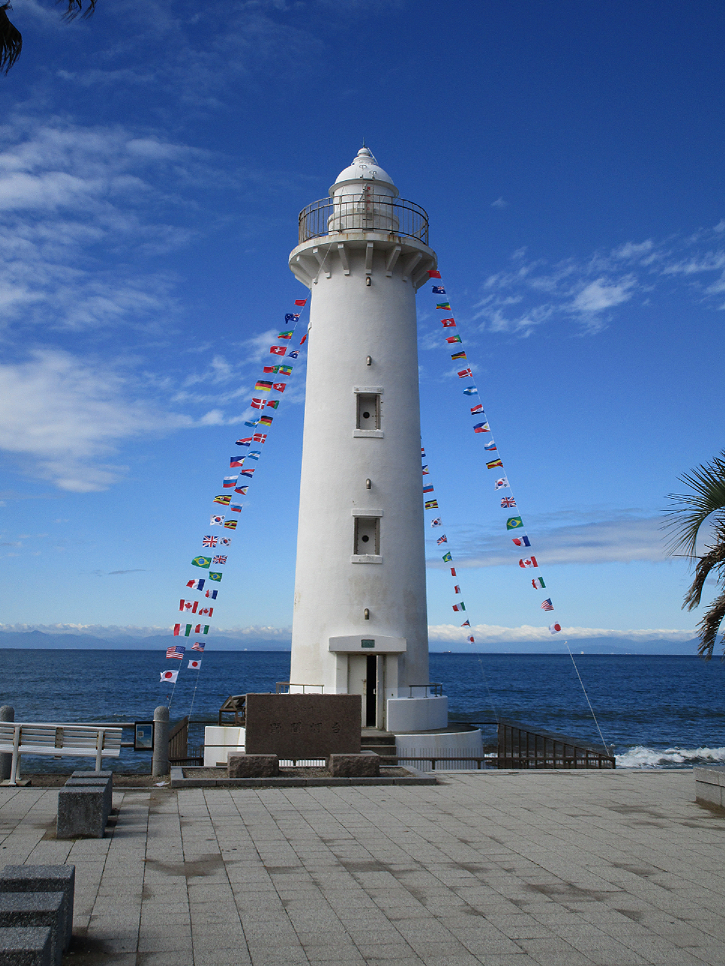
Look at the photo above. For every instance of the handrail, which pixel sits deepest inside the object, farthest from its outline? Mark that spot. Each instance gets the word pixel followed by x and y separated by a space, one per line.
pixel 291 684
pixel 519 741
pixel 363 211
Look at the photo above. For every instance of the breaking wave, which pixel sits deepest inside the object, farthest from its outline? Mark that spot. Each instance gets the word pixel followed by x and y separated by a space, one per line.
pixel 641 757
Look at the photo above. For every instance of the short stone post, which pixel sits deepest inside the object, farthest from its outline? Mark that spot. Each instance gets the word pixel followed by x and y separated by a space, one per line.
pixel 160 764
pixel 7 713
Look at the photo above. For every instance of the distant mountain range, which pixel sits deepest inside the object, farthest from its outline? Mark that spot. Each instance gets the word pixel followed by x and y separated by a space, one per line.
pixel 594 645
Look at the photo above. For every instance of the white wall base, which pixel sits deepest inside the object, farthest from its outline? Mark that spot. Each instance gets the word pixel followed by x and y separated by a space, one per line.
pixel 469 744
pixel 218 742
pixel 417 714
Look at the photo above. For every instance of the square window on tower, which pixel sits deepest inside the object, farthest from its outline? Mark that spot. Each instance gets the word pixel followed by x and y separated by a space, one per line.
pixel 368 410
pixel 367 535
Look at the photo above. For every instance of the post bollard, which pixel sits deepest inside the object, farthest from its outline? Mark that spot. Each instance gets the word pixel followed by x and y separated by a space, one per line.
pixel 7 713
pixel 160 764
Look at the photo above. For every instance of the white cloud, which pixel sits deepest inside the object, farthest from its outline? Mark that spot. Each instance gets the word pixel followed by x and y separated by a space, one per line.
pixel 494 634
pixel 499 203
pixel 599 295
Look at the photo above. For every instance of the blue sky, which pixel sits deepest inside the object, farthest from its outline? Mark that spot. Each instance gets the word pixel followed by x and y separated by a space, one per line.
pixel 153 161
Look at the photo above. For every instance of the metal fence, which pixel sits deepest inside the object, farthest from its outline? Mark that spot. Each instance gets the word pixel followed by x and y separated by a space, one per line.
pixel 365 211
pixel 522 747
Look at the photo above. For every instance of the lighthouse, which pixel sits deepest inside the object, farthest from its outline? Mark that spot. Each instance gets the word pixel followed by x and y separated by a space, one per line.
pixel 360 616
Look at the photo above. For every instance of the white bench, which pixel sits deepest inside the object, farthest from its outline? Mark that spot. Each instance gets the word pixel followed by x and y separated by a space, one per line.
pixel 32 738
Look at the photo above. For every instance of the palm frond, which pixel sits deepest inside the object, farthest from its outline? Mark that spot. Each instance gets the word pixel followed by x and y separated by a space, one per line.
pixel 714 558
pixel 11 41
pixel 710 625
pixel 688 511
pixel 76 7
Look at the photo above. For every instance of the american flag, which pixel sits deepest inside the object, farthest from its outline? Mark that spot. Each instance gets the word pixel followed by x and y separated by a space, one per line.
pixel 209 541
pixel 221 559
pixel 176 651
pixel 546 604
pixel 197 646
pixel 508 501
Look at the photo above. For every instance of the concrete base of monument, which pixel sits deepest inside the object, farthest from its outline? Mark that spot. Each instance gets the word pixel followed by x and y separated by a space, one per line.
pixel 300 777
pixel 449 749
pixel 417 714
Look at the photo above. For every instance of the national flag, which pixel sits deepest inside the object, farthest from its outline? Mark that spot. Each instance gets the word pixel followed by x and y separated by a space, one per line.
pixel 235 507
pixel 217 519
pixel 279 386
pixel 229 481
pixel 253 422
pixel 256 404
pixel 453 571
pixel 211 594
pixel 188 605
pixel 538 583
pixel 422 452
pixel 427 489
pixel 437 522
pixel 209 541
pixel 215 576
pixel 448 323
pixel 169 676
pixel 501 484
pixel 513 523
pixel 242 490
pixel 245 441
pixel 490 446
pixel 201 561
pixel 303 339
pixel 453 338
pixel 263 385
pixel 260 437
pixel 481 428
pixel 198 645
pixel 459 606
pixel 443 539
pixel 206 611
pixel 458 355
pixel 278 350
pixel 254 454
pixel 201 629
pixel 300 301
pixel 447 557
pixel 465 374
pixel 445 306
pixel 272 404
pixel 194 665
pixel 471 640
pixel 287 334
pixel 431 505
pixel 219 559
pixel 177 629
pixel 285 370
pixel 426 471
pixel 527 562
pixel 248 473
pixel 521 541
pixel 466 624
pixel 546 604
pixel 187 630
pixel 291 317
pixel 438 290
pixel 225 541
pixel 456 589
pixel 554 628
pixel 230 525
pixel 470 391
pixel 492 464
pixel 507 502
pixel 195 584
pixel 476 409
pixel 272 369
pixel 175 651
pixel 294 354
pixel 434 273
pixel 223 498
pixel 266 420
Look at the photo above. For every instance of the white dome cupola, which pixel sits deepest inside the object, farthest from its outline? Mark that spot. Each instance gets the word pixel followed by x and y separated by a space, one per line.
pixel 364 170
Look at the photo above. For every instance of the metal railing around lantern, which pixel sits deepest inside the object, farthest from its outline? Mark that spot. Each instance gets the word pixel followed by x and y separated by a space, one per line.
pixel 363 211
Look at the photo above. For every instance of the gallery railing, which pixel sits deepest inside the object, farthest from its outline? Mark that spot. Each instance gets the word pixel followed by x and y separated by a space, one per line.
pixel 363 211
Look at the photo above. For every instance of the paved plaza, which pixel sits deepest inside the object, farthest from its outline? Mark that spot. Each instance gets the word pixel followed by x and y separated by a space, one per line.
pixel 500 868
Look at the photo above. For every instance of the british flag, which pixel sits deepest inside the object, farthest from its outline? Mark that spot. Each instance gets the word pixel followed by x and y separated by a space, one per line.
pixel 209 541
pixel 220 559
pixel 508 501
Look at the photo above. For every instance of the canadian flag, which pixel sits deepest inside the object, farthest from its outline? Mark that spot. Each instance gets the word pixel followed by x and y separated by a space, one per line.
pixel 169 676
pixel 528 562
pixel 206 611
pixel 188 605
pixel 194 665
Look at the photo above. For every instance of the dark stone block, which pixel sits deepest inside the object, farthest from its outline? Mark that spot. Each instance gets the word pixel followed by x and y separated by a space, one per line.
pixel 25 946
pixel 89 780
pixel 44 878
pixel 365 765
pixel 303 726
pixel 23 909
pixel 252 766
pixel 81 813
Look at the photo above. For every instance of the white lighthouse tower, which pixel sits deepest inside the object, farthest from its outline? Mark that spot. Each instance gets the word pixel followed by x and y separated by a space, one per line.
pixel 360 617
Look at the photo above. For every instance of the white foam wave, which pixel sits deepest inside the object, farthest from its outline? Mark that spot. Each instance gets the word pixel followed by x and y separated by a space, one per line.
pixel 641 757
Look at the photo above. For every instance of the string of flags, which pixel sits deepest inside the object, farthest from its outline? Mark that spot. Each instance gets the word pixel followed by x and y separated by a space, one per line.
pixel 216 544
pixel 501 485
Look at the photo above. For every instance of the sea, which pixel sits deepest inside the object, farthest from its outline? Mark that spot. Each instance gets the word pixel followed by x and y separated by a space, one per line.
pixel 654 711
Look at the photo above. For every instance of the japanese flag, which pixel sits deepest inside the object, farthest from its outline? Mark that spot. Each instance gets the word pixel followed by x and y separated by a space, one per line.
pixel 194 666
pixel 169 676
pixel 554 628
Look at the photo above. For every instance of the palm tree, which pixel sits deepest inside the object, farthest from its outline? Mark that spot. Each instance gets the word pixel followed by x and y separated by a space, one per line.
pixel 11 40
pixel 687 513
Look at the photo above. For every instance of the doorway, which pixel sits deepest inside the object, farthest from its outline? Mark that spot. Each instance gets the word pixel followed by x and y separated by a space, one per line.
pixel 371 692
